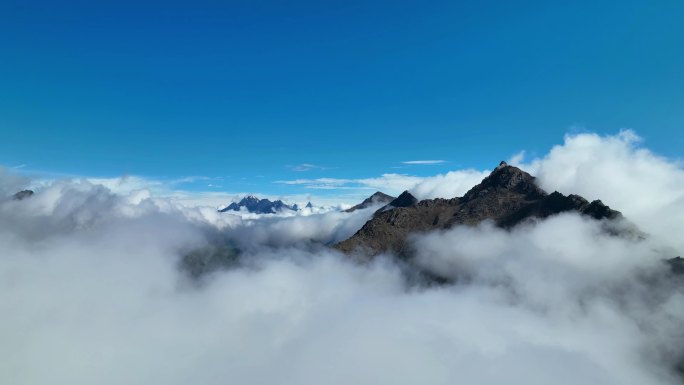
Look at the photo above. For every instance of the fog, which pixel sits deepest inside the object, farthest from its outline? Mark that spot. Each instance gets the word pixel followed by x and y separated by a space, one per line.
pixel 91 290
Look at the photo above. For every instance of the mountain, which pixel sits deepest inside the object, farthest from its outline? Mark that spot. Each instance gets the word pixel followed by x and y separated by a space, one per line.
pixel 308 205
pixel 508 196
pixel 403 200
pixel 372 200
pixel 258 206
pixel 23 194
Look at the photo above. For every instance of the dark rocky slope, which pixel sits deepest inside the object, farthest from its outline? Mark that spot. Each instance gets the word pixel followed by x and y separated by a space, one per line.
pixel 508 196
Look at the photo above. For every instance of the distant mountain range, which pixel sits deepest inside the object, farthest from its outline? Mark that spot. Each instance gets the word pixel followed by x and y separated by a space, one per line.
pixel 259 206
pixel 508 196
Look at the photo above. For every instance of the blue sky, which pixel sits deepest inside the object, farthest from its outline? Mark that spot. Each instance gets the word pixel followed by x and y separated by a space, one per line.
pixel 249 92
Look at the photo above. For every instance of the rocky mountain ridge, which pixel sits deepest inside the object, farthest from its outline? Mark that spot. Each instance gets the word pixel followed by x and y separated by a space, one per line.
pixel 508 196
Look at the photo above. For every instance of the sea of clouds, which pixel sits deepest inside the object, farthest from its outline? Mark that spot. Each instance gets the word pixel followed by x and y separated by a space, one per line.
pixel 91 291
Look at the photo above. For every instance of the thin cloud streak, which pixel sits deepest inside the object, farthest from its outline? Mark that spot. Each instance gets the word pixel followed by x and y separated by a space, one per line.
pixel 424 162
pixel 449 185
pixel 306 167
pixel 392 183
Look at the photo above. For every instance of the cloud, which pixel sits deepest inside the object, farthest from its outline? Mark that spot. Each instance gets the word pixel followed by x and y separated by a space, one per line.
pixel 306 167
pixel 321 181
pixel 90 290
pixel 11 182
pixel 647 188
pixel 190 191
pixel 390 183
pixel 449 185
pixel 587 298
pixel 424 162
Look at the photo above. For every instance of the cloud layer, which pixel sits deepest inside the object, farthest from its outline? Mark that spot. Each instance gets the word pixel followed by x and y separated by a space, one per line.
pixel 90 289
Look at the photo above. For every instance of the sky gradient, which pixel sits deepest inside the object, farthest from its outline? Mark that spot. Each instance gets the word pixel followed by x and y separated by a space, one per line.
pixel 263 91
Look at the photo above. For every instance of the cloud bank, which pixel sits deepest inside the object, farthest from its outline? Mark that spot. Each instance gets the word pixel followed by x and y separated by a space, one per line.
pixel 647 188
pixel 91 292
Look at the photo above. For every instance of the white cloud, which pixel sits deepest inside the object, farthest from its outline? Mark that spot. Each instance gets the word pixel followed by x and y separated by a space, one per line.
pixel 424 162
pixel 319 181
pixel 647 188
pixel 573 291
pixel 306 167
pixel 450 185
pixel 90 291
pixel 11 182
pixel 389 183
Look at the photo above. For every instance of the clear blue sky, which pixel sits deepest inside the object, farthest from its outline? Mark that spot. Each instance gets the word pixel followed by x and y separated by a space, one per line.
pixel 246 89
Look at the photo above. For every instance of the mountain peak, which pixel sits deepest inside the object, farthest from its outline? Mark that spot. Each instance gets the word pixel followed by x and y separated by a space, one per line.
pixel 507 197
pixel 377 198
pixel 404 200
pixel 505 177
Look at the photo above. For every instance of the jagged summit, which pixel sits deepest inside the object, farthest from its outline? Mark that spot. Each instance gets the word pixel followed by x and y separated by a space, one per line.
pixel 309 205
pixel 375 199
pixel 380 194
pixel 508 196
pixel 506 177
pixel 406 199
pixel 258 206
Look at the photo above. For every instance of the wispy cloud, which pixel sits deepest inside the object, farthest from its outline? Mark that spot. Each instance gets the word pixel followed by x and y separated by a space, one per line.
pixel 306 167
pixel 424 162
pixel 128 183
pixel 320 183
pixel 387 182
pixel 449 185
